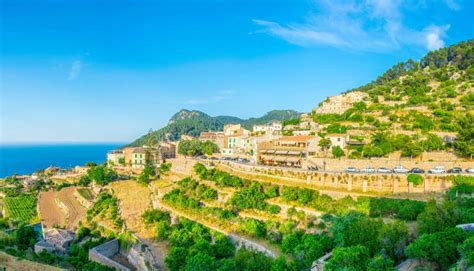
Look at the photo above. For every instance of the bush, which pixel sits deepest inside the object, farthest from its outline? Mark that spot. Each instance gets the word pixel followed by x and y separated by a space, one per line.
pixel 440 247
pixel 415 179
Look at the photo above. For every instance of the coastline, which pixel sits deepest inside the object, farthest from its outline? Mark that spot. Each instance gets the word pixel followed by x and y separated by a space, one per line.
pixel 27 158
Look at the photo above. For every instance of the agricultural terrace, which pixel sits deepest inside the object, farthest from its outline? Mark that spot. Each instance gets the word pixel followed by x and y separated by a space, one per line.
pixel 61 208
pixel 21 208
pixel 133 199
pixel 86 193
pixel 344 226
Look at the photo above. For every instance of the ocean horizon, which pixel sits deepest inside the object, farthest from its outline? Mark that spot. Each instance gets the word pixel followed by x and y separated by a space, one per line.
pixel 29 157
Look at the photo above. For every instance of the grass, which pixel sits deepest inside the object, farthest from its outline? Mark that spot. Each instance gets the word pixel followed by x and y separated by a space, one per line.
pixel 160 184
pixel 86 193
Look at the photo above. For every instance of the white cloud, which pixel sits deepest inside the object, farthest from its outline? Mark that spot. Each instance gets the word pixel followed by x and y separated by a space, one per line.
pixel 452 4
pixel 357 25
pixel 75 70
pixel 434 35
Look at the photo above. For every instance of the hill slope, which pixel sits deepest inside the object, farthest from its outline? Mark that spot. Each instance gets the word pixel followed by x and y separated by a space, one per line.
pixel 411 106
pixel 187 122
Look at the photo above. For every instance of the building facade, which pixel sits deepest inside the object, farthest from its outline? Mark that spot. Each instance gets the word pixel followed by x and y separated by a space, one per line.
pixel 287 150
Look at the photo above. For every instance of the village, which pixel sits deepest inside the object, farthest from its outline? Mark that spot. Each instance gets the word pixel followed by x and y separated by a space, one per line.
pixel 304 145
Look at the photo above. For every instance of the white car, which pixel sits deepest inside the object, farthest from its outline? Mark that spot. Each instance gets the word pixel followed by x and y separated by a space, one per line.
pixel 400 169
pixel 470 170
pixel 352 170
pixel 368 170
pixel 384 170
pixel 437 170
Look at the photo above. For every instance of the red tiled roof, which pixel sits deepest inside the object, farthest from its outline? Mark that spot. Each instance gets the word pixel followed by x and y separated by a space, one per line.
pixel 296 138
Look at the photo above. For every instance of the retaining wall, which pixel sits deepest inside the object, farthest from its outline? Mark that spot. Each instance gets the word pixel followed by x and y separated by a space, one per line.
pixel 102 254
pixel 374 182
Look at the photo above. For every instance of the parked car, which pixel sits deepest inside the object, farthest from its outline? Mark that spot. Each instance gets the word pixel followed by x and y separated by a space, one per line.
pixel 417 170
pixel 437 170
pixel 351 169
pixel 368 170
pixel 400 169
pixel 384 170
pixel 455 170
pixel 314 168
pixel 202 157
pixel 213 158
pixel 470 170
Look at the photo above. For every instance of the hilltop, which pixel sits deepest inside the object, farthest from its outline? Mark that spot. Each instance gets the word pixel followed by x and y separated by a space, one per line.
pixel 193 122
pixel 411 107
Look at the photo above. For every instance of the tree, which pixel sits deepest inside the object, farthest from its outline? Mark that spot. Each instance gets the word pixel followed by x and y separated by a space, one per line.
pixel 250 260
pixel 223 247
pixel 336 128
pixel 337 152
pixel 439 247
pixel 464 143
pixel 415 179
pixel 380 263
pixel 200 262
pixel 209 148
pixel 348 258
pixel 176 258
pixel 356 229
pixel 306 247
pixel 394 238
pixel 91 164
pixel 25 237
pixel 324 143
pixel 101 174
pixel 162 229
pixel 148 172
pixel 467 250
pixel 438 217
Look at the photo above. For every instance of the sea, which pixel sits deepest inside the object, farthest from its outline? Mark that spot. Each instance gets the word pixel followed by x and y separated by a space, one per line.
pixel 25 159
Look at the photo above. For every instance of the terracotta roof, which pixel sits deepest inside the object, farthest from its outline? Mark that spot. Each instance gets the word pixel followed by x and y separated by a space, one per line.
pixel 296 138
pixel 139 150
pixel 333 135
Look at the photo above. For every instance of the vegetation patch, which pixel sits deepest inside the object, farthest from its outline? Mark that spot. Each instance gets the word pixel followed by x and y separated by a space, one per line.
pixel 21 208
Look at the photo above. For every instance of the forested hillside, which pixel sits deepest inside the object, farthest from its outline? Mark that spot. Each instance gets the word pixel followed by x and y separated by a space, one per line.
pixel 192 123
pixel 413 105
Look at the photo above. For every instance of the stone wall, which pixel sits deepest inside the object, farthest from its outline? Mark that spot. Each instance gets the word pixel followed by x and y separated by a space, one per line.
pixel 84 202
pixel 140 256
pixel 182 165
pixel 380 183
pixel 102 254
pixel 240 241
pixel 341 164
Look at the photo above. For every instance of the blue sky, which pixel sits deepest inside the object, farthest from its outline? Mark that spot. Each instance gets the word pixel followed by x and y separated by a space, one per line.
pixel 103 71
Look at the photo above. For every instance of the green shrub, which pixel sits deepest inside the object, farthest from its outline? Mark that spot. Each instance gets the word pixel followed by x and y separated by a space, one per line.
pixel 415 179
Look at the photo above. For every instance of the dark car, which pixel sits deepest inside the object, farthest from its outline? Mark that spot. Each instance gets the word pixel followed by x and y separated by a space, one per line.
pixel 455 170
pixel 417 170
pixel 214 158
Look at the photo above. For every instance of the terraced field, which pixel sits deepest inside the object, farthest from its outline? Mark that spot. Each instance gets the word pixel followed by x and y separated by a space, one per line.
pixel 61 208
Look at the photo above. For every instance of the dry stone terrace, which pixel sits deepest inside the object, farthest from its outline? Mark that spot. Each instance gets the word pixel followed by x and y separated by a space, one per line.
pixel 345 183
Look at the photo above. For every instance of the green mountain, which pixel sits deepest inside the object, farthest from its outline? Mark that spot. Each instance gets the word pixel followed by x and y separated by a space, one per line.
pixel 412 106
pixel 193 122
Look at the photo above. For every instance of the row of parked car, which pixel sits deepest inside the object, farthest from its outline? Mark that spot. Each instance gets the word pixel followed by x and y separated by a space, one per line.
pixel 401 169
